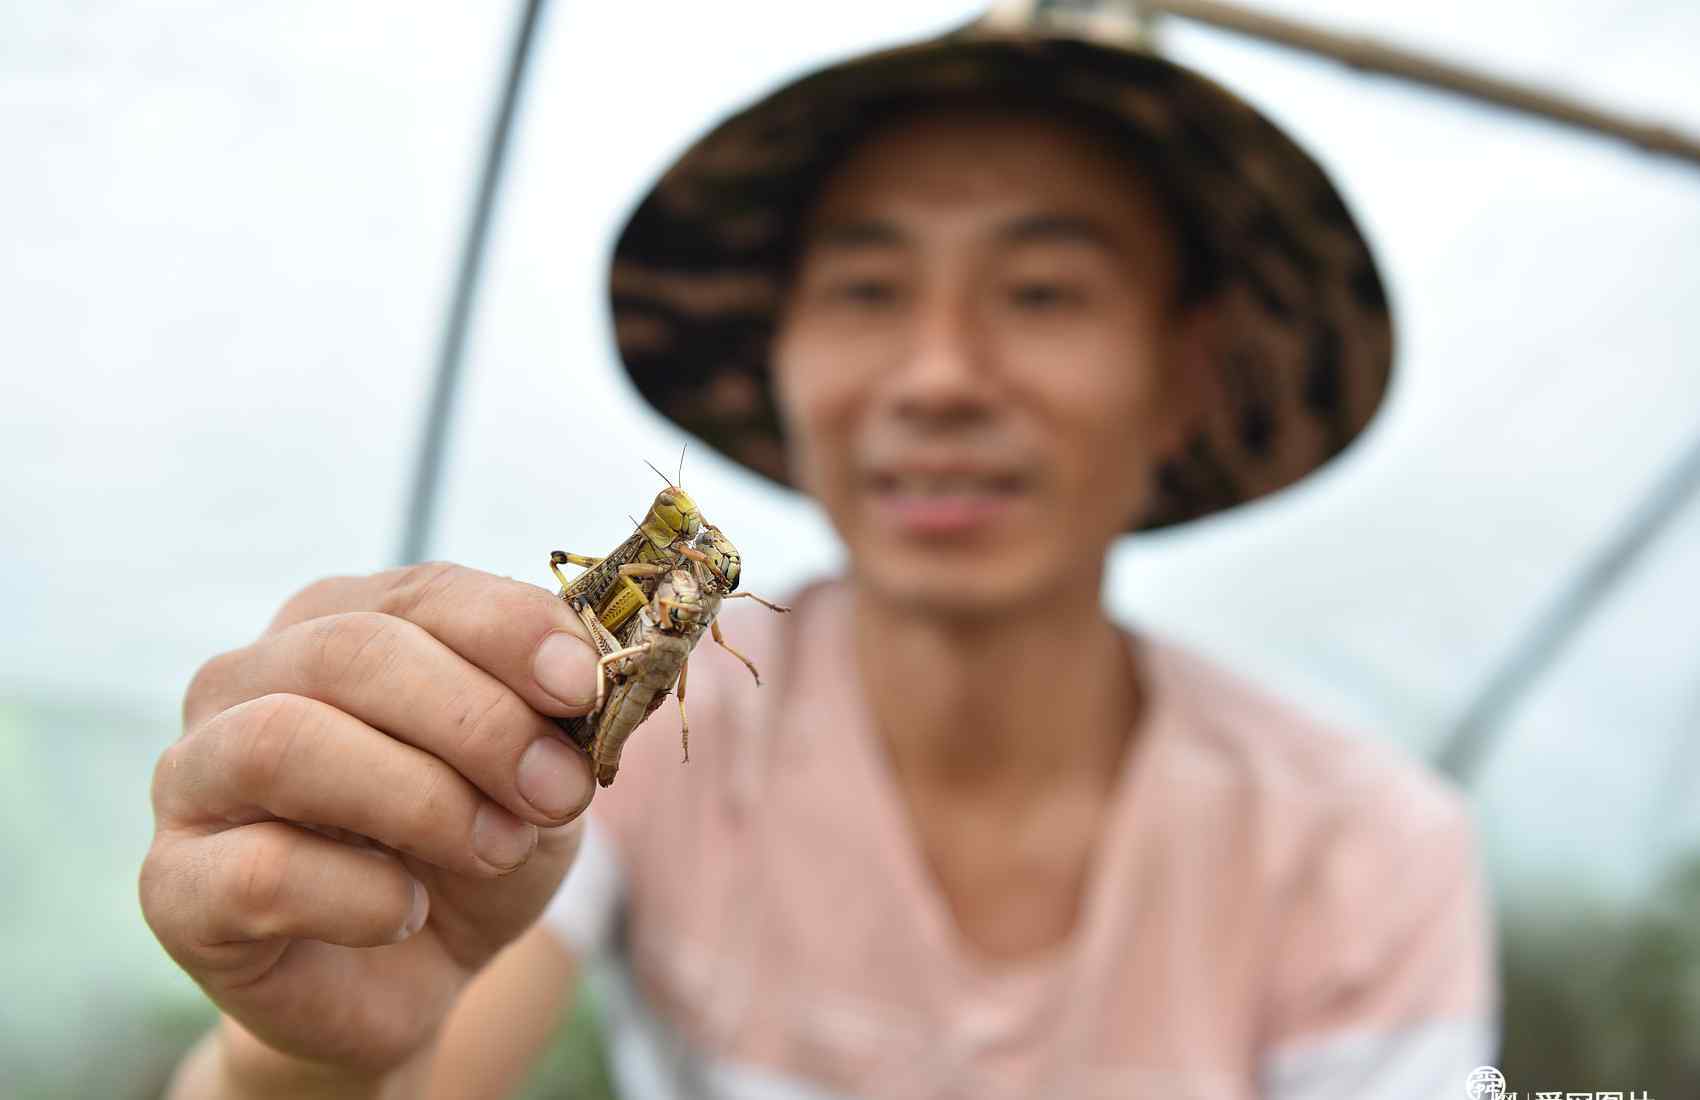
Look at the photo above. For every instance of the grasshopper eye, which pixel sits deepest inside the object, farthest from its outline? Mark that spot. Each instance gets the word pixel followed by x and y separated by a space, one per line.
pixel 665 500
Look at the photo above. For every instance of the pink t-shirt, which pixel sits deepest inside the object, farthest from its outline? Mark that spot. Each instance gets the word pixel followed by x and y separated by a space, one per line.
pixel 1276 911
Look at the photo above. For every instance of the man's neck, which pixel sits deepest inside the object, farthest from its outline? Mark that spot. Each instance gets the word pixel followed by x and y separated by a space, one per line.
pixel 1005 706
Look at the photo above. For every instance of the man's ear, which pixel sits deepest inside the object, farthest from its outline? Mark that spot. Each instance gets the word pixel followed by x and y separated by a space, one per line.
pixel 1191 387
pixel 1189 395
pixel 790 456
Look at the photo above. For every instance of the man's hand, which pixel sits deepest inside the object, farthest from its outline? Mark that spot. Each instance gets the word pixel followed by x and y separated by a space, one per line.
pixel 367 804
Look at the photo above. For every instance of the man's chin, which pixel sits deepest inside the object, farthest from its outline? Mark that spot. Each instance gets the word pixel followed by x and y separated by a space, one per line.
pixel 911 584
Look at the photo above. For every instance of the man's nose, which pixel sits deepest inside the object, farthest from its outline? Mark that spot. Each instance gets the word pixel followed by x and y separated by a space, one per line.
pixel 945 372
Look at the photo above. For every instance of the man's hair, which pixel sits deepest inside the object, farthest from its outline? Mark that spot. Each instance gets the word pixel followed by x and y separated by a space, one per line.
pixel 1199 268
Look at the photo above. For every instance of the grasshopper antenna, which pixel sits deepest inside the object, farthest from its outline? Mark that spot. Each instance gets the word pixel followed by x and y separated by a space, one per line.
pixel 682 462
pixel 659 474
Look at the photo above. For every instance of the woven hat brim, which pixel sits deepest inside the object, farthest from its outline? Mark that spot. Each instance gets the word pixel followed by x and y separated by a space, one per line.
pixel 1306 350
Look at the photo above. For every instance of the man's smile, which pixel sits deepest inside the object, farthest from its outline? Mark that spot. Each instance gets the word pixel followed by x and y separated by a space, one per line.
pixel 945 499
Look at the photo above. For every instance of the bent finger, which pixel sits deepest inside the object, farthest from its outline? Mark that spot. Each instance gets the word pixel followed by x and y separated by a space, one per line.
pixel 274 881
pixel 521 634
pixel 397 677
pixel 295 758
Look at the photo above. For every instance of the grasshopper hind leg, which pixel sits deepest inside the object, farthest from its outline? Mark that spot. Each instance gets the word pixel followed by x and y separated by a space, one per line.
pixel 600 636
pixel 720 640
pixel 558 558
pixel 604 675
pixel 769 604
pixel 684 723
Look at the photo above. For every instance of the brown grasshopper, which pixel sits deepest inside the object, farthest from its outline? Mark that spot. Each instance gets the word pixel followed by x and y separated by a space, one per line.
pixel 663 634
pixel 652 650
pixel 718 572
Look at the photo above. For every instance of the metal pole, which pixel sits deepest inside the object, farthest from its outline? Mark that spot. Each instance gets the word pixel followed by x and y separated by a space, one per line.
pixel 1471 739
pixel 1378 57
pixel 1468 743
pixel 416 537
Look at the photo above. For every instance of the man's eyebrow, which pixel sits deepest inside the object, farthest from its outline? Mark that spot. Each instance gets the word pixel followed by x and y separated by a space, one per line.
pixel 856 233
pixel 1041 228
pixel 1038 228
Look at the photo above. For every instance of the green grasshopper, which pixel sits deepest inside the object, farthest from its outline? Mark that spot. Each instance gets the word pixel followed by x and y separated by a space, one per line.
pixel 608 591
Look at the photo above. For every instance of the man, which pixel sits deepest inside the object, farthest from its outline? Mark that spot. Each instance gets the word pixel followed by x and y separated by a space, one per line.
pixel 992 299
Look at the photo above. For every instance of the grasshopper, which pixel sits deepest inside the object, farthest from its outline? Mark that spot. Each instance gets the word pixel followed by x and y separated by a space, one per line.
pixel 718 571
pixel 608 591
pixel 641 673
pixel 651 652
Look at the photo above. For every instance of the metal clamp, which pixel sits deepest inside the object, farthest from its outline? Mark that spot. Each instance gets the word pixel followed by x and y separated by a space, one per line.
pixel 1121 22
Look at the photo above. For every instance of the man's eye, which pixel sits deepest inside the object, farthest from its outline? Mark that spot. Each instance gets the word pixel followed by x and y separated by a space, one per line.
pixel 1045 295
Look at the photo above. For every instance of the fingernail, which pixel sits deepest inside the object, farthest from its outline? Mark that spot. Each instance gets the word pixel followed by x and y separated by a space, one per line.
pixel 553 778
pixel 415 913
pixel 565 667
pixel 501 839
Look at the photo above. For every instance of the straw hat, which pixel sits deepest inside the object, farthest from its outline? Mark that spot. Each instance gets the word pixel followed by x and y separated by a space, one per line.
pixel 1305 340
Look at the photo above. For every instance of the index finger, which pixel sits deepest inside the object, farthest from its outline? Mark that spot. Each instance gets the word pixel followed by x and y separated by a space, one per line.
pixel 521 634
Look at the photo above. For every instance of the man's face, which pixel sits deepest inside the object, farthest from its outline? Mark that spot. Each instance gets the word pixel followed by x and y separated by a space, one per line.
pixel 970 361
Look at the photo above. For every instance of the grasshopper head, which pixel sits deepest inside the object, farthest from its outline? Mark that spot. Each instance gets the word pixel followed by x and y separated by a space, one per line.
pixel 672 517
pixel 677 603
pixel 721 557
